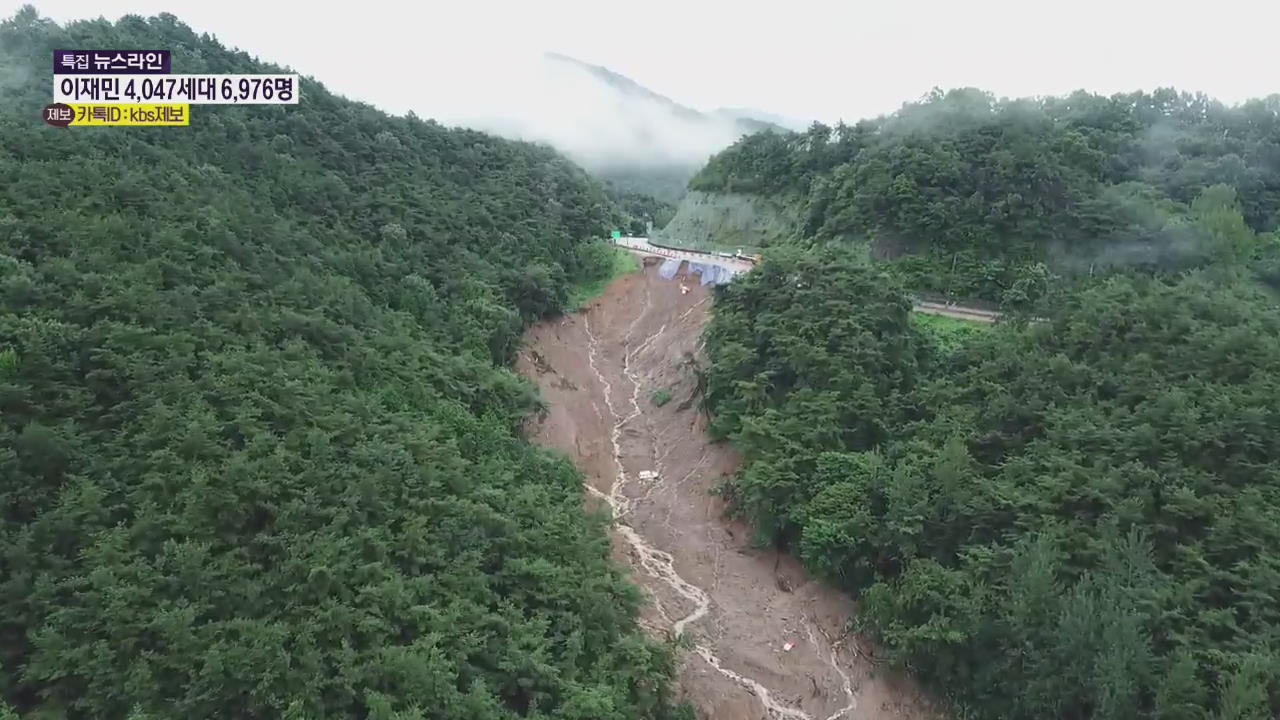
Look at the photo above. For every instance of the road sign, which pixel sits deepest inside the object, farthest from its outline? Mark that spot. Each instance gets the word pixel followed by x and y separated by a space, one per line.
pixel 617 234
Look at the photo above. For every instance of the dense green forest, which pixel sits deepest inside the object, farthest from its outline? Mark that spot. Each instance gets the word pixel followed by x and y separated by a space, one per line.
pixel 258 444
pixel 665 184
pixel 638 209
pixel 1075 514
pixel 1072 516
pixel 974 196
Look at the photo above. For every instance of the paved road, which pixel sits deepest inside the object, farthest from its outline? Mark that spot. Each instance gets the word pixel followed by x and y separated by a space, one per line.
pixel 960 312
pixel 643 247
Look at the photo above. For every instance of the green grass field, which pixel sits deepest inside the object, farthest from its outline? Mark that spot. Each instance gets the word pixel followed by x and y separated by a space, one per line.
pixel 951 333
pixel 582 293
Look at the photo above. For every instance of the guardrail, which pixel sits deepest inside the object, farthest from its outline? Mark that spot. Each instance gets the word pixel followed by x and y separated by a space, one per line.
pixel 956 311
pixel 930 303
pixel 927 296
pixel 660 251
pixel 669 247
pixel 686 253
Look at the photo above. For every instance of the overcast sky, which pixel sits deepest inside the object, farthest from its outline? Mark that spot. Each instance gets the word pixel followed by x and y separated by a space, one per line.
pixel 802 58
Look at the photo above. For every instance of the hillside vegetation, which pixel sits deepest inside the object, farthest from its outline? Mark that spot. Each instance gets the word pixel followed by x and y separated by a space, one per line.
pixel 637 209
pixel 727 222
pixel 1075 517
pixel 258 444
pixel 978 197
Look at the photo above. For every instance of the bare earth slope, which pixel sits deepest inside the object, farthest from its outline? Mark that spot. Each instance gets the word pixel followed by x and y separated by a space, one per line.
pixel 653 468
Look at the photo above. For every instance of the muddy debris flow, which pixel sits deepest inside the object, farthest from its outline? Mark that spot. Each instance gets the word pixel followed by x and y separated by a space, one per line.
pixel 764 640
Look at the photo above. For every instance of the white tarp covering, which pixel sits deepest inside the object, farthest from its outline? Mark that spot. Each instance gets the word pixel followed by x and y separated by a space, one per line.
pixel 709 273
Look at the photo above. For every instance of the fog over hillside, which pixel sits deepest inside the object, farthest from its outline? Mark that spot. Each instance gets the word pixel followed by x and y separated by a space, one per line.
pixel 602 120
pixel 790 123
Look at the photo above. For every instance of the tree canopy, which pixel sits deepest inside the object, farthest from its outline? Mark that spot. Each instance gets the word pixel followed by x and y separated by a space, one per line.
pixel 257 438
pixel 969 193
pixel 1071 517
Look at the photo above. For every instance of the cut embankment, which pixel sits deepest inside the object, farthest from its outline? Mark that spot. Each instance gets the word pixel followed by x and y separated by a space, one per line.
pixel 728 221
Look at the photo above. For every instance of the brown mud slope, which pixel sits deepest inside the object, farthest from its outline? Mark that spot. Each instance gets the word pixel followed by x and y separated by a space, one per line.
pixel 766 641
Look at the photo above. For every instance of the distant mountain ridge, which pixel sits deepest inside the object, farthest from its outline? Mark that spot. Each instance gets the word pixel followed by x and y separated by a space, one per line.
pixel 618 130
pixel 741 117
pixel 755 116
pixel 638 140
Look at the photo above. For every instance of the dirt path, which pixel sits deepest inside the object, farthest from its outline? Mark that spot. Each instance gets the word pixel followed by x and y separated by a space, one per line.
pixel 766 640
pixel 959 312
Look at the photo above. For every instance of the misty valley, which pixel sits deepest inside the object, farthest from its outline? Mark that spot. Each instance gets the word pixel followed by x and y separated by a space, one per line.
pixel 577 401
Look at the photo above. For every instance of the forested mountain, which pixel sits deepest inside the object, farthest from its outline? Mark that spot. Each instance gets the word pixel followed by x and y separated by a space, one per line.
pixel 654 144
pixel 257 440
pixel 1074 514
pixel 1075 517
pixel 637 209
pixel 972 194
pixel 741 121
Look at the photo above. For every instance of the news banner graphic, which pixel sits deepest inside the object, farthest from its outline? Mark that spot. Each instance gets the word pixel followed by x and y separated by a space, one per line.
pixel 185 89
pixel 136 88
pixel 63 115
pixel 127 62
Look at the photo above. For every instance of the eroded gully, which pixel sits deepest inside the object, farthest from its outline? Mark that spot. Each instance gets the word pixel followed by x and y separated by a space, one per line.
pixel 626 360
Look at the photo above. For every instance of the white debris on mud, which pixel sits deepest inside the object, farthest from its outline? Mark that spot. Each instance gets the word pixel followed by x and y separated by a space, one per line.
pixel 654 468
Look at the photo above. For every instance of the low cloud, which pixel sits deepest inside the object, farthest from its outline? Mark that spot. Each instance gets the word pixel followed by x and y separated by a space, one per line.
pixel 598 123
